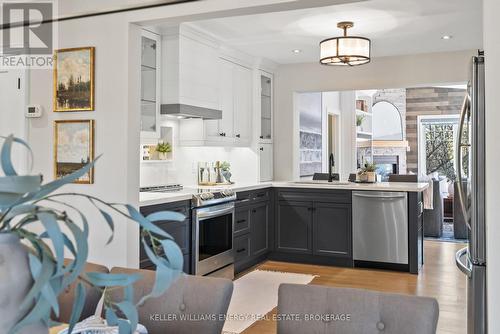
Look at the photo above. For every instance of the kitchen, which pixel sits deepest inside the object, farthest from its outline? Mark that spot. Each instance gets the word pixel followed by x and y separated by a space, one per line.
pixel 212 109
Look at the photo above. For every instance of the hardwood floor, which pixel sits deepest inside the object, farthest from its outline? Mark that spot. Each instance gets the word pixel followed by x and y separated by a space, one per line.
pixel 439 278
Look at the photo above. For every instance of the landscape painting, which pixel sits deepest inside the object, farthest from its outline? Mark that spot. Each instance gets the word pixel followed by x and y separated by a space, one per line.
pixel 74 79
pixel 73 148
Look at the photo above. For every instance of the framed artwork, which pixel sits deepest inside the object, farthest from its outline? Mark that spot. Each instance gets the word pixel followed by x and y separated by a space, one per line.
pixel 74 79
pixel 73 148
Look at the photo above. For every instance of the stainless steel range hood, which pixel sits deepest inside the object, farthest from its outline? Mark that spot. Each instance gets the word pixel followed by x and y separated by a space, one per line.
pixel 188 111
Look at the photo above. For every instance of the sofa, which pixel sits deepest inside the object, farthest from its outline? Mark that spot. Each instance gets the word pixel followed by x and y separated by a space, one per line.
pixel 323 310
pixel 183 307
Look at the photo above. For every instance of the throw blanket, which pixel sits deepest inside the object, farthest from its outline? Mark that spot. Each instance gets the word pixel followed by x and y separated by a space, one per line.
pixel 428 193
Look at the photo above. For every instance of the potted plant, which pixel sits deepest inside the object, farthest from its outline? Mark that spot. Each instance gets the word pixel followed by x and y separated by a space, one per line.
pixel 34 272
pixel 369 170
pixel 359 121
pixel 226 171
pixel 162 149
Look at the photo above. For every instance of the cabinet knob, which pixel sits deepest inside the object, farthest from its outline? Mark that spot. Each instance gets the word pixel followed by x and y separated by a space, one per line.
pixel 238 136
pixel 262 149
pixel 254 211
pixel 241 250
pixel 261 137
pixel 221 134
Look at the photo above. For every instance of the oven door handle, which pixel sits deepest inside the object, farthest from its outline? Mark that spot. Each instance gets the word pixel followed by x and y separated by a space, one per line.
pixel 211 214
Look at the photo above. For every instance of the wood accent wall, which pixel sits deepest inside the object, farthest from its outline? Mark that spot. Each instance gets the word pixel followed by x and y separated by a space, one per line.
pixel 427 101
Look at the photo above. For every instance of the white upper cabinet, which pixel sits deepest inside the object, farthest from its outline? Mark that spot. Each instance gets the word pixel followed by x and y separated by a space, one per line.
pixel 266 107
pixel 150 84
pixel 235 101
pixel 243 105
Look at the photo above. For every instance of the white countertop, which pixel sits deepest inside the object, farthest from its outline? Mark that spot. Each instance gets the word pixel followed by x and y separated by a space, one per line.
pixel 152 198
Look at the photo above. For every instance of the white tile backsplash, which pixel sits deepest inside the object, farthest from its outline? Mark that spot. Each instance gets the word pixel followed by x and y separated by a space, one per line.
pixel 183 169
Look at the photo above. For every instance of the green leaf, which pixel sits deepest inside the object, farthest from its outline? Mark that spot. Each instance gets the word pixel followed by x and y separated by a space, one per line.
pixel 47 291
pixel 81 250
pixel 146 224
pixel 6 153
pixel 108 279
pixel 111 224
pixel 173 254
pixel 49 222
pixel 166 216
pixel 78 303
pixel 111 317
pixel 130 312
pixel 40 311
pixel 40 280
pixel 50 187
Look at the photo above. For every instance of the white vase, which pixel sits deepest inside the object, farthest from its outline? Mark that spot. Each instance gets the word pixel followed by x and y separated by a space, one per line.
pixel 162 155
pixel 15 282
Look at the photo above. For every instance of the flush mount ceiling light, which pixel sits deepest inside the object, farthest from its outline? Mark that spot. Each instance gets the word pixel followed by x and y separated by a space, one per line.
pixel 345 50
pixel 446 37
pixel 297 51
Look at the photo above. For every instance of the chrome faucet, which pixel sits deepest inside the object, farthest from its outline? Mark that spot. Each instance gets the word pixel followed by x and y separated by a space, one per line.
pixel 331 164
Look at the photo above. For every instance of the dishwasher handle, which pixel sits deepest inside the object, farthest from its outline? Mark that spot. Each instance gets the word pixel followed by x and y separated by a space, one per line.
pixel 380 196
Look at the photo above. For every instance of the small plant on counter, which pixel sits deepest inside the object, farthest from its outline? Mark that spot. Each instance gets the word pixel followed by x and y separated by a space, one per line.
pixel 162 149
pixel 359 120
pixel 367 173
pixel 225 168
pixel 35 272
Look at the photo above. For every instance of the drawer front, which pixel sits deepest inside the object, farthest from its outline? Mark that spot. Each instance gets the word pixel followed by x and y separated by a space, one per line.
pixel 328 196
pixel 249 197
pixel 242 248
pixel 241 221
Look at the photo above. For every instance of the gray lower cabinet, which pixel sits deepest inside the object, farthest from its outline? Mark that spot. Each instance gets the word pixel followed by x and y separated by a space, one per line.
pixel 332 229
pixel 180 231
pixel 314 227
pixel 252 228
pixel 294 227
pixel 259 229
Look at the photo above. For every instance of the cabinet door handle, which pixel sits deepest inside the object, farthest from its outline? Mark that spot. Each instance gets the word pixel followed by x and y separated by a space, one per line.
pixel 241 221
pixel 238 136
pixel 261 195
pixel 262 149
pixel 241 250
pixel 221 134
pixel 261 137
pixel 254 211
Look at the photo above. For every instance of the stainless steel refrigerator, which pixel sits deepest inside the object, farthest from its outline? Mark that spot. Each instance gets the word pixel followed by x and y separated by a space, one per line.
pixel 471 193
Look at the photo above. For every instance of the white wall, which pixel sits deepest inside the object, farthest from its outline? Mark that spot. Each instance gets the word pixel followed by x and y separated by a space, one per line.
pixel 492 55
pixel 116 128
pixel 384 72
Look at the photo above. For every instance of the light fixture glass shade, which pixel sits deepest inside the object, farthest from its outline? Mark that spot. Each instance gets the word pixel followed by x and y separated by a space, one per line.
pixel 347 50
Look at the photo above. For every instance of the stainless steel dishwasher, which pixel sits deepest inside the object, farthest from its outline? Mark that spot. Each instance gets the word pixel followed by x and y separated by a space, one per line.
pixel 380 226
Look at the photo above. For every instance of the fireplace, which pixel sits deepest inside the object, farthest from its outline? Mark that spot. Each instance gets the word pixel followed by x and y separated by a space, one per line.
pixel 386 165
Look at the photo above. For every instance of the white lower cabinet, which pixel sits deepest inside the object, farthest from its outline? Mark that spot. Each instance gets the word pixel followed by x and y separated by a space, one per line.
pixel 266 162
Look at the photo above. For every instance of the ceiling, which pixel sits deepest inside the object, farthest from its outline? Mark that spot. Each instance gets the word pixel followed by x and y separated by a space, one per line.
pixel 396 27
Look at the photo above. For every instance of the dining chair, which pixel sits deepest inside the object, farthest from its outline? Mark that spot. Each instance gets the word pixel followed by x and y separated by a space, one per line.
pixel 345 310
pixel 181 308
pixel 92 297
pixel 403 178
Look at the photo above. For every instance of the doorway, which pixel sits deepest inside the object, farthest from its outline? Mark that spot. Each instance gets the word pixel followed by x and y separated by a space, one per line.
pixel 12 120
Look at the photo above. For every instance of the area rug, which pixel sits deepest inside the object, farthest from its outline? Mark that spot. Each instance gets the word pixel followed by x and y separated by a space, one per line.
pixel 255 295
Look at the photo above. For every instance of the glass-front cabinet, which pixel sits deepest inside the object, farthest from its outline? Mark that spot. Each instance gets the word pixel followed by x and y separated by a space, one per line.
pixel 150 84
pixel 266 107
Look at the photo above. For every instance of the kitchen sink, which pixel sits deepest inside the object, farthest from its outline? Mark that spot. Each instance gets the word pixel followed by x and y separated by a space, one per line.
pixel 322 182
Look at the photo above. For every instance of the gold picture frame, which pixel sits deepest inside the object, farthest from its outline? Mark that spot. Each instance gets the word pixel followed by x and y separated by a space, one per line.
pixel 73 148
pixel 74 79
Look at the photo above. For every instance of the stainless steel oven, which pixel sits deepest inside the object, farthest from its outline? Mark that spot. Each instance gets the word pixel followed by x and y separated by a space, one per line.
pixel 213 227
